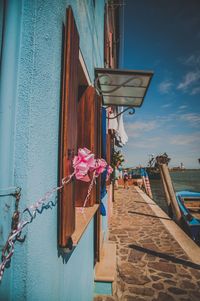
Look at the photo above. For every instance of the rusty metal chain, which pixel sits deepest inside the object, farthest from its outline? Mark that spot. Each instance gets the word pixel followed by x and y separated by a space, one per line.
pixel 37 207
pixel 18 225
pixel 89 190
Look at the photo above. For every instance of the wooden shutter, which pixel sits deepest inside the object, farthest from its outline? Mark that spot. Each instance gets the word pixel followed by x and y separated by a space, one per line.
pixel 88 137
pixel 99 141
pixel 97 219
pixel 106 40
pixel 68 128
pixel 108 147
pixel 111 59
pixel 109 150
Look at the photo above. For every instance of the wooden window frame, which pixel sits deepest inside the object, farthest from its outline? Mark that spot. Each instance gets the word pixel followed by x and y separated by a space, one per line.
pixel 68 136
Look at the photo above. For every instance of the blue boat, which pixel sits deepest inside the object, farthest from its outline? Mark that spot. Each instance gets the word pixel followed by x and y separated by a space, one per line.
pixel 189 204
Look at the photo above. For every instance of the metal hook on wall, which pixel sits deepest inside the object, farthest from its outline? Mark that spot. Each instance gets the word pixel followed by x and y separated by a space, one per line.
pixel 131 113
pixel 16 214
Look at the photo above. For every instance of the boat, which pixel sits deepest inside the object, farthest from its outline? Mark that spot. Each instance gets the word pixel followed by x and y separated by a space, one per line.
pixel 189 204
pixel 153 172
pixel 153 169
pixel 136 173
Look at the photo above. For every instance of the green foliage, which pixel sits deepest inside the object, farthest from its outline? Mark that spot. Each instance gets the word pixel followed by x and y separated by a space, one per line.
pixel 117 159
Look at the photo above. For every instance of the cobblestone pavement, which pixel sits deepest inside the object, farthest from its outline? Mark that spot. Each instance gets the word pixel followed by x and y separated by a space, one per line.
pixel 150 263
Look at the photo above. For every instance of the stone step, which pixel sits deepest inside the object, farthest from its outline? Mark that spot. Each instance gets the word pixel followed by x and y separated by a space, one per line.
pixel 105 270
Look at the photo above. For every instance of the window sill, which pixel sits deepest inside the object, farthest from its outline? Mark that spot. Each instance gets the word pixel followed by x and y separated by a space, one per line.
pixel 82 221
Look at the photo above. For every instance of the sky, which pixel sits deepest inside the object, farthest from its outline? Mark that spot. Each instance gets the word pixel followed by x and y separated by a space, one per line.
pixel 164 36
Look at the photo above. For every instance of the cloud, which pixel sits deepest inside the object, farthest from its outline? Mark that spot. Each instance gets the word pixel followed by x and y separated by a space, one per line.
pixel 165 87
pixel 192 60
pixel 185 139
pixel 192 118
pixel 167 119
pixel 145 143
pixel 135 129
pixel 167 105
pixel 183 107
pixel 195 91
pixel 189 79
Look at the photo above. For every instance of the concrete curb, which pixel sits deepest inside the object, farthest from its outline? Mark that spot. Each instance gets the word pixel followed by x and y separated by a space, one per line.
pixel 186 243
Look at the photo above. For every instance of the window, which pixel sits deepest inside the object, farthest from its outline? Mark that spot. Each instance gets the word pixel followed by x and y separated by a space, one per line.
pixel 79 127
pixel 111 32
pixel 88 133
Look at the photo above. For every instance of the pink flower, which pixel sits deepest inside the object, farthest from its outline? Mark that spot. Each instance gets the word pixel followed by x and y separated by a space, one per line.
pixel 109 171
pixel 83 163
pixel 100 166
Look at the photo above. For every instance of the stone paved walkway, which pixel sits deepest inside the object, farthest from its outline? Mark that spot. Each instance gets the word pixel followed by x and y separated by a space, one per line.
pixel 150 263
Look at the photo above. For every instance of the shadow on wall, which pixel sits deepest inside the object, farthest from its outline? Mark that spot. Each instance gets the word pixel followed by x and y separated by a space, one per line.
pixel 65 254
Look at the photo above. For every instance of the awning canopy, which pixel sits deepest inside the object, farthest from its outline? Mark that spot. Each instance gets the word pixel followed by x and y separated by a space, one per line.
pixel 122 87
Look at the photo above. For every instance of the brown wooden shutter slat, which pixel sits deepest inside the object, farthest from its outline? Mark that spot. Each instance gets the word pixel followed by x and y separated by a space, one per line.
pixel 68 135
pixel 87 137
pixel 99 140
pixel 106 40
pixel 108 147
pixel 109 143
pixel 97 220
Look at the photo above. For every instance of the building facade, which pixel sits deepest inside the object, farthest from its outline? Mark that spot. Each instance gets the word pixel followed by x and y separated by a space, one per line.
pixel 49 50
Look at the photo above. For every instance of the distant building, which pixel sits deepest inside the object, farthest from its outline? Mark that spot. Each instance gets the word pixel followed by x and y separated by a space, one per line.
pixel 177 168
pixel 182 166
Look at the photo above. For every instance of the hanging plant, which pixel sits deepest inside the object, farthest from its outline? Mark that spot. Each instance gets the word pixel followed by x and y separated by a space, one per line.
pixel 117 159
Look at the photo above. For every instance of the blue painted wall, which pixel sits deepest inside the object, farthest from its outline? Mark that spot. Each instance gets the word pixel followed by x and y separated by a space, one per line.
pixel 105 218
pixel 8 98
pixel 31 99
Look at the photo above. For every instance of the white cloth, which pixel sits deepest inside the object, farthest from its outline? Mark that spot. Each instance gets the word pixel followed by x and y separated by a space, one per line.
pixel 117 124
pixel 113 123
pixel 121 130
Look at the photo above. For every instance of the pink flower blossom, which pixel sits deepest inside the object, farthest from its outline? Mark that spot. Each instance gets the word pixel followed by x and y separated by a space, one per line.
pixel 109 171
pixel 83 163
pixel 100 166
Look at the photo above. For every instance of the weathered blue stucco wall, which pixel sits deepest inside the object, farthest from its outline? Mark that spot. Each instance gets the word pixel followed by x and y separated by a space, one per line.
pixel 36 271
pixel 105 218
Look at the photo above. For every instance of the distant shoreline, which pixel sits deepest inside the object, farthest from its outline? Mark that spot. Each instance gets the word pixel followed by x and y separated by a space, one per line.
pixel 182 170
pixel 170 169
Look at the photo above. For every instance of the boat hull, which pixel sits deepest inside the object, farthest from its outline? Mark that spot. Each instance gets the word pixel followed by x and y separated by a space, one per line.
pixel 154 174
pixel 190 220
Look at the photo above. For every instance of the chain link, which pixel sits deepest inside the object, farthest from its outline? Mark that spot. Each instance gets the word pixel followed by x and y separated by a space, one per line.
pixel 89 190
pixel 41 204
pixel 32 210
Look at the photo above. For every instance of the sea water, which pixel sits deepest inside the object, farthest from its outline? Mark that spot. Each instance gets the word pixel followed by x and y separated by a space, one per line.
pixel 182 180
